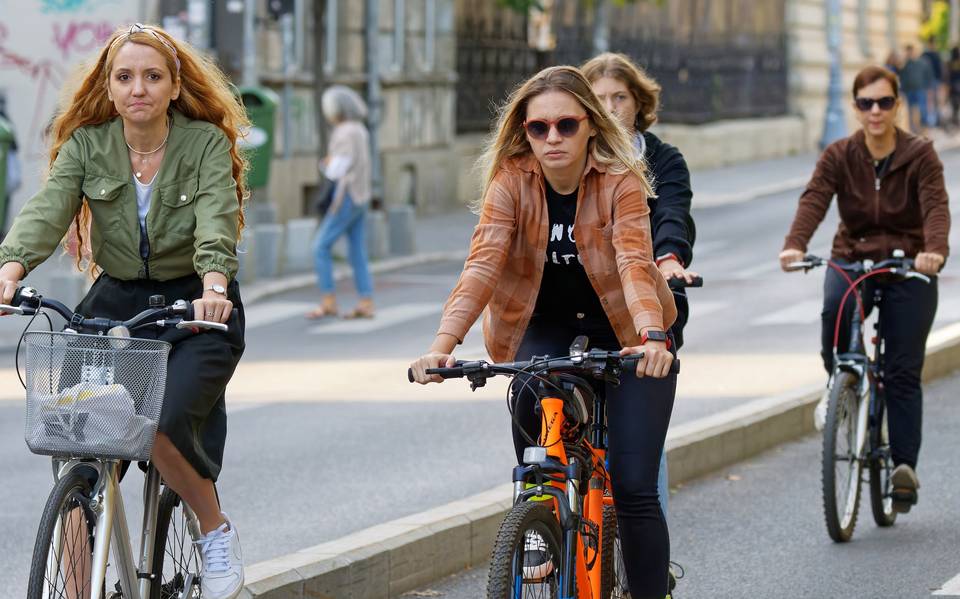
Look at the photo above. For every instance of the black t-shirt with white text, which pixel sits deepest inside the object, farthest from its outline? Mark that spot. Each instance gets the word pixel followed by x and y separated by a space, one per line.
pixel 565 290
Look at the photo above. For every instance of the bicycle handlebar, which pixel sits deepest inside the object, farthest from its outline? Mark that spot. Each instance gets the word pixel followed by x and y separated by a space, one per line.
pixel 27 302
pixel 898 265
pixel 593 363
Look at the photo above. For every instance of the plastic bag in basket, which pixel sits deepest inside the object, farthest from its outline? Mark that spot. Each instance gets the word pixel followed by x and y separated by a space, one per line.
pixel 100 419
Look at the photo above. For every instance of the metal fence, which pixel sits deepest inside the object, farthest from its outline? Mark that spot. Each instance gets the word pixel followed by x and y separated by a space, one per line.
pixel 715 59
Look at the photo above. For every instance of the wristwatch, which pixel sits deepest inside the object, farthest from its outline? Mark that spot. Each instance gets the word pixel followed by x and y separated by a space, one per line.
pixel 217 289
pixel 655 336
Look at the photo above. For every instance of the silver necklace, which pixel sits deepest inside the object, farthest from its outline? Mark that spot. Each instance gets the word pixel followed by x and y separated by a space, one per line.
pixel 145 156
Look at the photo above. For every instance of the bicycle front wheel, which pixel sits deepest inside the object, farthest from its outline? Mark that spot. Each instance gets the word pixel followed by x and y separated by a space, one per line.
pixel 881 467
pixel 613 573
pixel 63 552
pixel 176 561
pixel 840 464
pixel 527 557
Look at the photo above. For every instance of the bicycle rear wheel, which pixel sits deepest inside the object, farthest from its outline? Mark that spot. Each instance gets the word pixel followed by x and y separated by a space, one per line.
pixel 63 552
pixel 613 576
pixel 176 561
pixel 840 463
pixel 527 558
pixel 881 467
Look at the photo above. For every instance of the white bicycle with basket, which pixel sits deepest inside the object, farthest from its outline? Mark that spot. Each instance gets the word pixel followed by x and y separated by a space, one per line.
pixel 94 395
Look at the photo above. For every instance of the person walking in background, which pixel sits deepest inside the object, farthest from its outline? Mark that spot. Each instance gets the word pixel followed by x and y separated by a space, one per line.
pixel 633 97
pixel 932 56
pixel 347 164
pixel 894 62
pixel 953 85
pixel 916 78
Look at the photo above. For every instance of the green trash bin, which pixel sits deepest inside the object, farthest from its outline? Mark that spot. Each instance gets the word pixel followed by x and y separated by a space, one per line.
pixel 6 141
pixel 261 105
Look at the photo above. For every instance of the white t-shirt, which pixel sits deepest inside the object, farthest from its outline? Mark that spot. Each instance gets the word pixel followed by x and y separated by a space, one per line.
pixel 144 193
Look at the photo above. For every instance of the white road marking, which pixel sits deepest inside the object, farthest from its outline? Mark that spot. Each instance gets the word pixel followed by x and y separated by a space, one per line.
pixel 950 589
pixel 420 279
pixel 805 312
pixel 260 315
pixel 385 318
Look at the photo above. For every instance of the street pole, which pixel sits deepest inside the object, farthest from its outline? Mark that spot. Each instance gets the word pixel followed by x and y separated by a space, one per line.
pixel 834 125
pixel 373 95
pixel 286 29
pixel 249 43
pixel 601 26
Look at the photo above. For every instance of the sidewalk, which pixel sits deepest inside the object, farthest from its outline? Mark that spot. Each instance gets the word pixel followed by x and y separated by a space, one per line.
pixel 446 237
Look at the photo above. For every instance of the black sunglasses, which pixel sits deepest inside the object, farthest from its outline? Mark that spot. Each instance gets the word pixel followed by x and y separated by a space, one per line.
pixel 866 104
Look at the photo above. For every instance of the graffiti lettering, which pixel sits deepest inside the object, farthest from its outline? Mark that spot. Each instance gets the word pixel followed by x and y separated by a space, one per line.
pixel 81 37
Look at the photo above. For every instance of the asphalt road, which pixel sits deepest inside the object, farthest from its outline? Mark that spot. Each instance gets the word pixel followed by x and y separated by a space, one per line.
pixel 756 529
pixel 326 437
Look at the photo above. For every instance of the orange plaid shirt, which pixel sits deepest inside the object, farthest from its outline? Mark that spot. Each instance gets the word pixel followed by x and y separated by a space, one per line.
pixel 508 251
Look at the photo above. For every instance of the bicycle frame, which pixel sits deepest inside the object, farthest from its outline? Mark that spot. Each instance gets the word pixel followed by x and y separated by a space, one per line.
pixel 870 374
pixel 112 528
pixel 559 469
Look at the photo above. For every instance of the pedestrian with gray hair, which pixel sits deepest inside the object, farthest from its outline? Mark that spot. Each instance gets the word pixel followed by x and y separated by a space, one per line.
pixel 347 164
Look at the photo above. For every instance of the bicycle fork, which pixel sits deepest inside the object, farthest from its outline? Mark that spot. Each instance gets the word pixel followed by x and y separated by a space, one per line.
pixel 112 529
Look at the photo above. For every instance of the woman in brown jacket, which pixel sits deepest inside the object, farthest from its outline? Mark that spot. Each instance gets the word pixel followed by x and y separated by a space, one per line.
pixel 891 195
pixel 563 248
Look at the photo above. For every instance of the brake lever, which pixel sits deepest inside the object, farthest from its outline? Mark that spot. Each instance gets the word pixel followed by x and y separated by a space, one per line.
pixel 18 310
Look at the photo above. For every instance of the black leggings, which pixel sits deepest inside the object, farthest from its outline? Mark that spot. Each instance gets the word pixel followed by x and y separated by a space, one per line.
pixel 638 414
pixel 906 317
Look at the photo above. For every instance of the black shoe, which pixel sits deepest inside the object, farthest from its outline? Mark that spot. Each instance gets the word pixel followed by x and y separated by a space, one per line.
pixel 905 484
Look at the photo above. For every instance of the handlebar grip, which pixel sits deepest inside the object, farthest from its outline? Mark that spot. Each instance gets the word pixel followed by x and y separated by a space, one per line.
pixel 677 283
pixel 189 315
pixel 630 363
pixel 447 373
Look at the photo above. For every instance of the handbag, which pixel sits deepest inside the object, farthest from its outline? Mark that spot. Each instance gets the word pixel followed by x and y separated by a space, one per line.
pixel 324 196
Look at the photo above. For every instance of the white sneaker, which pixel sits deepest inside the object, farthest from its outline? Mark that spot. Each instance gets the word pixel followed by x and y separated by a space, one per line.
pixel 536 560
pixel 222 573
pixel 820 412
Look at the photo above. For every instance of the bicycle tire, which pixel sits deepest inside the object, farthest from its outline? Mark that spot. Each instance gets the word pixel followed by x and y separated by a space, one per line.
pixel 613 577
pixel 71 493
pixel 841 425
pixel 175 558
pixel 880 468
pixel 506 561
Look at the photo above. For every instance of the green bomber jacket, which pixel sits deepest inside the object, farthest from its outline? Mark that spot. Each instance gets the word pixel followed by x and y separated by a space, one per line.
pixel 192 222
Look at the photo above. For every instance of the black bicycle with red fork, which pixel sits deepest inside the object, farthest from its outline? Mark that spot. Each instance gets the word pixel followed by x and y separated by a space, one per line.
pixel 856 434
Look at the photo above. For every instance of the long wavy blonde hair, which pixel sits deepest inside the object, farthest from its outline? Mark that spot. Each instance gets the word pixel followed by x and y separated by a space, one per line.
pixel 205 94
pixel 645 89
pixel 611 146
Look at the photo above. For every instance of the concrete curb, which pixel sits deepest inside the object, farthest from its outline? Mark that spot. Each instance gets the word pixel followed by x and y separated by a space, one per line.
pixel 257 292
pixel 389 559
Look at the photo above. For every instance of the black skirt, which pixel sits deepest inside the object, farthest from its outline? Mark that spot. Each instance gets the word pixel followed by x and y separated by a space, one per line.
pixel 194 414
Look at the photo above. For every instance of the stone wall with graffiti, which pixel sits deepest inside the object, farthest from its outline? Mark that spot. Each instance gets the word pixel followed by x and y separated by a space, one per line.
pixel 42 42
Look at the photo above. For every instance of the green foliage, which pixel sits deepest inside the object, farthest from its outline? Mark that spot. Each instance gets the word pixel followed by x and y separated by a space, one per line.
pixel 938 25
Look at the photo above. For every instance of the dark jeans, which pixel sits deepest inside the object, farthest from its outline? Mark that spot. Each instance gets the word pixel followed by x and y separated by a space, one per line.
pixel 638 413
pixel 906 316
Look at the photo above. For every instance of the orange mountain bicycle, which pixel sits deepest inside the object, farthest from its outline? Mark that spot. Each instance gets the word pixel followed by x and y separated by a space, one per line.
pixel 559 540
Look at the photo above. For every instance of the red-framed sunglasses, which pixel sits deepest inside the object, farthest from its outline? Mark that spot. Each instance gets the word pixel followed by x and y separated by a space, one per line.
pixel 567 126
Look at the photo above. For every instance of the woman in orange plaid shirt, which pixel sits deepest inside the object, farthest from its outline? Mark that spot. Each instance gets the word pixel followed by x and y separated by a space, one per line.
pixel 563 248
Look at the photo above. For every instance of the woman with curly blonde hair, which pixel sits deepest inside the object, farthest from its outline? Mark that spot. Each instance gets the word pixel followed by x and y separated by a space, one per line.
pixel 563 249
pixel 144 163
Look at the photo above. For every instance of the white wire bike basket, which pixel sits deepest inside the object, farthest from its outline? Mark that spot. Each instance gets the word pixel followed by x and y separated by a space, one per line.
pixel 93 396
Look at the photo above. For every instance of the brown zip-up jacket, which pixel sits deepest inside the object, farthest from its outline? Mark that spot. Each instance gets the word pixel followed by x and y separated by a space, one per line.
pixel 508 250
pixel 905 207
